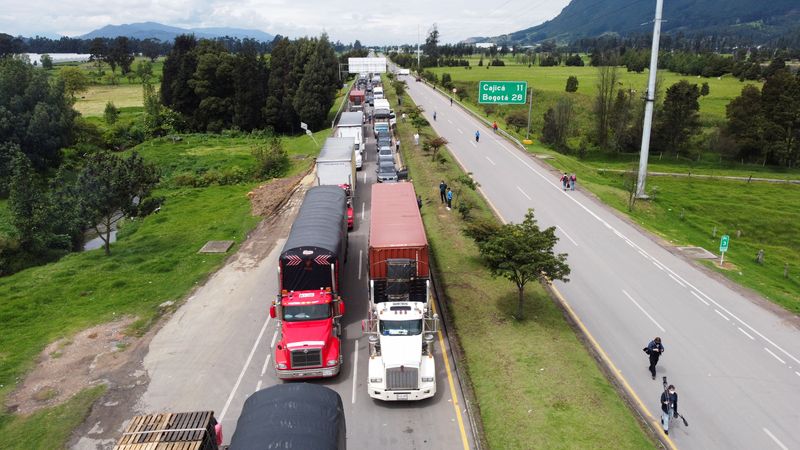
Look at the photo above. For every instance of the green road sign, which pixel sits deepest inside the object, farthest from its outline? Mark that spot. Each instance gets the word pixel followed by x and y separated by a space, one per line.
pixel 503 92
pixel 723 243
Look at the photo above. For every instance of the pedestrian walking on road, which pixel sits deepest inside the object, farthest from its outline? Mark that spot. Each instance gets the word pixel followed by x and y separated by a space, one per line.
pixel 654 350
pixel 451 101
pixel 449 199
pixel 573 179
pixel 397 145
pixel 419 201
pixel 477 135
pixel 494 126
pixel 434 116
pixel 443 191
pixel 564 181
pixel 669 406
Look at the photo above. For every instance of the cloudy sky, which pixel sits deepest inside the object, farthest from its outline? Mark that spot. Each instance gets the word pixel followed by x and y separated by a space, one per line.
pixel 372 22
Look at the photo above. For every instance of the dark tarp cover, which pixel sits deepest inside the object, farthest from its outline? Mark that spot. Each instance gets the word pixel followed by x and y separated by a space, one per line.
pixel 291 416
pixel 318 239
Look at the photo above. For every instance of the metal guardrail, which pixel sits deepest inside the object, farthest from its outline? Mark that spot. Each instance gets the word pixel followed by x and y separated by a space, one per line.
pixel 341 107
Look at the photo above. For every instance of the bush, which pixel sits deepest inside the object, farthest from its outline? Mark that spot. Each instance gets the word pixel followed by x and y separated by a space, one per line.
pixel 447 81
pixel 517 118
pixel 273 161
pixel 572 84
pixel 465 207
pixel 497 62
pixel 481 230
pixel 111 113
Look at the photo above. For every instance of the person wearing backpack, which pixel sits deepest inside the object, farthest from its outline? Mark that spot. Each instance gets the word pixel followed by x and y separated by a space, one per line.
pixel 654 350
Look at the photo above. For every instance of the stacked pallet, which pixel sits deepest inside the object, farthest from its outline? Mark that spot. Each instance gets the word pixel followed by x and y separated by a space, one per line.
pixel 170 431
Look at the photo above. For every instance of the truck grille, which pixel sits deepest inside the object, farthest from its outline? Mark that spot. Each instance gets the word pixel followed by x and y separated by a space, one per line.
pixel 401 378
pixel 306 357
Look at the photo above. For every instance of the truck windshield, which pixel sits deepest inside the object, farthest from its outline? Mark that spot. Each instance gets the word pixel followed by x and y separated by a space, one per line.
pixel 306 312
pixel 401 327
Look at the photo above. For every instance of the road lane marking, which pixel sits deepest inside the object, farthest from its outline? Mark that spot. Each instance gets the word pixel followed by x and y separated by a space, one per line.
pixel 797 373
pixel 363 205
pixel 473 144
pixel 746 334
pixel 774 355
pixel 568 236
pixel 244 369
pixel 459 130
pixel 523 193
pixel 453 392
pixel 654 424
pixel 449 121
pixel 780 444
pixel 676 280
pixel 488 159
pixel 364 174
pixel 645 312
pixel 274 336
pixel 700 298
pixel 360 255
pixel 657 265
pixel 722 315
pixel 355 369
pixel 258 386
pixel 266 363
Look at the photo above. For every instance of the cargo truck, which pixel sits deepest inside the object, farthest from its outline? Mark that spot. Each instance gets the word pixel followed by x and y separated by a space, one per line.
pixel 356 99
pixel 351 124
pixel 400 325
pixel 336 166
pixel 310 269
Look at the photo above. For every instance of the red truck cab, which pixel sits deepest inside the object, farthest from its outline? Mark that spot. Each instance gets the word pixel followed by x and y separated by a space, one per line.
pixel 349 191
pixel 309 345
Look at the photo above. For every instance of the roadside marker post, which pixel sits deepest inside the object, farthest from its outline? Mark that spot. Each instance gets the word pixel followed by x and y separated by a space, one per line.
pixel 723 247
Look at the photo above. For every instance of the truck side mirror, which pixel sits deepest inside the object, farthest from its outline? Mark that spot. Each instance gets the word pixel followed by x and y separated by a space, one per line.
pixel 272 311
pixel 341 307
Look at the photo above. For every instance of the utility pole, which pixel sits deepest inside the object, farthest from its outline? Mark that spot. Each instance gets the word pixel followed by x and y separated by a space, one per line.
pixel 417 48
pixel 530 109
pixel 650 100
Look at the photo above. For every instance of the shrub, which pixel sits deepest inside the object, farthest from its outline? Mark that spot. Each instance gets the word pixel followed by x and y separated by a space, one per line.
pixel 572 84
pixel 273 161
pixel 517 118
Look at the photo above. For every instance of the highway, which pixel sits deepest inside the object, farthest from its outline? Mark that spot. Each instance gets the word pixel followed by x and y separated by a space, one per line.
pixel 217 348
pixel 735 362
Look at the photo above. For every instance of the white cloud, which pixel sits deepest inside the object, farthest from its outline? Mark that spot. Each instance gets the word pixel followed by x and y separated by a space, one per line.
pixel 374 23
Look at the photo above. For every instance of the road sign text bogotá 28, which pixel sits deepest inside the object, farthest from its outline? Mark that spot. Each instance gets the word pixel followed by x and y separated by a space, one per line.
pixel 502 92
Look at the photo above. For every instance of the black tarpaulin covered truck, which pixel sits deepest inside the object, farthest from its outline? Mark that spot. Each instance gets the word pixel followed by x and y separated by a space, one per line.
pixel 291 416
pixel 317 243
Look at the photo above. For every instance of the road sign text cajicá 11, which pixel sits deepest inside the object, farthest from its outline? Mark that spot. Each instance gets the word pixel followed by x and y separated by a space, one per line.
pixel 502 92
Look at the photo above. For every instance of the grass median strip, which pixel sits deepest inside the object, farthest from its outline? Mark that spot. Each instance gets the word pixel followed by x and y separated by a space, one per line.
pixel 535 384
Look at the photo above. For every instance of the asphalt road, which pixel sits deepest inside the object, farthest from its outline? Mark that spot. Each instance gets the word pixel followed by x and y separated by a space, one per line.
pixel 218 347
pixel 735 363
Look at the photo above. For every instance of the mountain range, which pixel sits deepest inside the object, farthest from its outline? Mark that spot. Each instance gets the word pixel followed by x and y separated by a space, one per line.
pixel 166 33
pixel 758 20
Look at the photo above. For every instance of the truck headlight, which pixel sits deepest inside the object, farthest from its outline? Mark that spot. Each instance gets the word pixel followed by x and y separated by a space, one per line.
pixel 427 379
pixel 332 362
pixel 376 380
pixel 281 366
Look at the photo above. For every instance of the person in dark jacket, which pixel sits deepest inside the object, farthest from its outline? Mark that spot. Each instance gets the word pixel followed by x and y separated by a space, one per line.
pixel 443 191
pixel 654 349
pixel 669 406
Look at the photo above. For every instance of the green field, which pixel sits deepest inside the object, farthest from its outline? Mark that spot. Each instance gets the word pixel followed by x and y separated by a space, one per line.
pixel 536 385
pixel 93 101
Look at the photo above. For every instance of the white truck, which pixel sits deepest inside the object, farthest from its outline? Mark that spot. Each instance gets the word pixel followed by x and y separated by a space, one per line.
pixel 351 124
pixel 384 110
pixel 401 326
pixel 336 164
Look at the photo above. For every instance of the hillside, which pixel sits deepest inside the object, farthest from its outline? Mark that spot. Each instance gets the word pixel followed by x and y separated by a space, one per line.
pixel 750 19
pixel 165 33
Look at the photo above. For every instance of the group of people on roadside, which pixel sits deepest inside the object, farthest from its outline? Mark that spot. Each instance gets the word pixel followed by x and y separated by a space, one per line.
pixel 446 194
pixel 568 181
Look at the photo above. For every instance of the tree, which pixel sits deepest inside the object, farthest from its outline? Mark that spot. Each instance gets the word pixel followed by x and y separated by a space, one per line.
pixel 150 48
pixel 278 111
pixel 704 89
pixel 780 98
pixel 574 60
pixel 214 86
pixel 679 118
pixel 26 204
pixel 47 62
pixel 606 92
pixel 8 153
pixel 75 81
pixel 34 113
pixel 111 188
pixel 431 46
pixel 434 145
pixel 620 118
pixel 273 161
pixel 318 86
pixel 557 123
pixel 110 113
pixel 9 45
pixel 250 83
pixel 572 84
pixel 98 50
pixel 120 54
pixel 746 123
pixel 179 68
pixel 522 252
pixel 144 70
pixel 517 118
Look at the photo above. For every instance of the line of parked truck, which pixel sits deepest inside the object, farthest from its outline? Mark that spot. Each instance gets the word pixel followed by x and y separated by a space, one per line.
pixel 400 325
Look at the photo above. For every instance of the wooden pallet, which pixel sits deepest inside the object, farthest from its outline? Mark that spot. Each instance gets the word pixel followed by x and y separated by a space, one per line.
pixel 170 431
